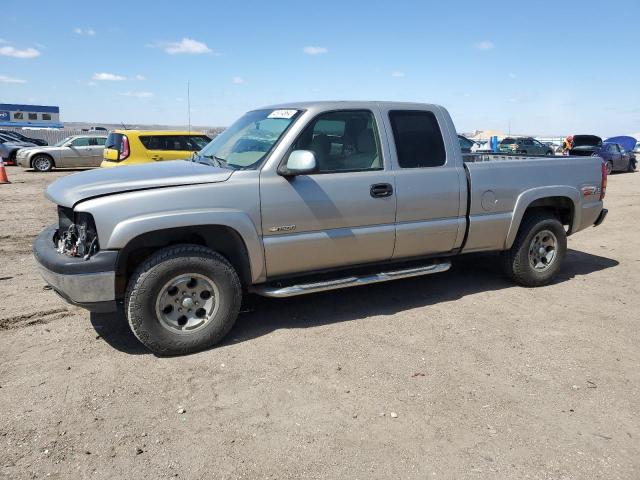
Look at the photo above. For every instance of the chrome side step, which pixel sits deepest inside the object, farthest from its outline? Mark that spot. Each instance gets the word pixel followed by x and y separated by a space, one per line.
pixel 353 281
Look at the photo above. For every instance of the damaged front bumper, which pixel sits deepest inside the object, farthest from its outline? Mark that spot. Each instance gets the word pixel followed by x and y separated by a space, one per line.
pixel 88 283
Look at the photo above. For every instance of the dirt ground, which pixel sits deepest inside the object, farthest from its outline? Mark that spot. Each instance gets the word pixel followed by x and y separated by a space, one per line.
pixel 457 375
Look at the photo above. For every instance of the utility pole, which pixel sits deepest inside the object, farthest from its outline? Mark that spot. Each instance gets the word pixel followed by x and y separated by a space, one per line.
pixel 188 107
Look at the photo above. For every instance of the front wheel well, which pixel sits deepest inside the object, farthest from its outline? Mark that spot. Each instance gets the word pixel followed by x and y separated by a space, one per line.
pixel 222 239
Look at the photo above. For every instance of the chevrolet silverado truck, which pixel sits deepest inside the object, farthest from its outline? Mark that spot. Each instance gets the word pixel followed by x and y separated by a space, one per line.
pixel 300 198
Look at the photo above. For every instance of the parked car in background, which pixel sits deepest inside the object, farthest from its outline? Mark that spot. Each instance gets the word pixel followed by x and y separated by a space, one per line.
pixel 637 148
pixel 524 146
pixel 129 147
pixel 10 148
pixel 616 158
pixel 23 138
pixel 465 144
pixel 302 198
pixel 74 151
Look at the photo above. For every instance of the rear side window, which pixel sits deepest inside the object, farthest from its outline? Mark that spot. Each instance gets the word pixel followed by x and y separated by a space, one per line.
pixel 114 140
pixel 418 139
pixel 508 141
pixel 174 142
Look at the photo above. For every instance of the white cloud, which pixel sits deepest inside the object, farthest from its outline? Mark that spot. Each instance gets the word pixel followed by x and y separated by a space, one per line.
pixel 5 79
pixel 186 45
pixel 86 31
pixel 238 81
pixel 10 51
pixel 311 50
pixel 111 77
pixel 397 74
pixel 137 94
pixel 484 45
pixel 140 77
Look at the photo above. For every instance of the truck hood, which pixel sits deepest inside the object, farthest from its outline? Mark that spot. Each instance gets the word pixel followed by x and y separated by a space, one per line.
pixel 105 181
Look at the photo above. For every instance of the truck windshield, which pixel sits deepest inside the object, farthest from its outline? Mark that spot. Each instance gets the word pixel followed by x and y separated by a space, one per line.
pixel 246 143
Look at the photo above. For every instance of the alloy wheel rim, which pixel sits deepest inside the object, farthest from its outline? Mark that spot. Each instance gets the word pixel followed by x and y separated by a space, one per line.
pixel 42 163
pixel 543 250
pixel 187 302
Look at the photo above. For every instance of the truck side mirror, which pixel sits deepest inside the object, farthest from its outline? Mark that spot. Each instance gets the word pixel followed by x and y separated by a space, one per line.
pixel 300 162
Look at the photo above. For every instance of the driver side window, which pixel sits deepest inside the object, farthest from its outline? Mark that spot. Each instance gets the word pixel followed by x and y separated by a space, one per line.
pixel 80 142
pixel 343 141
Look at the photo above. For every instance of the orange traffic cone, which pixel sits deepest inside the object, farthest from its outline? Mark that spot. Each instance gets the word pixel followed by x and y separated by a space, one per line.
pixel 3 172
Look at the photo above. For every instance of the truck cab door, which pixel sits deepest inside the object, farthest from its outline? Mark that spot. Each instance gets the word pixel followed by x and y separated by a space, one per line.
pixel 341 214
pixel 431 188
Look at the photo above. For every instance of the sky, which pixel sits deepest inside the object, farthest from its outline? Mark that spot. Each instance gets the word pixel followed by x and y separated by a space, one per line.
pixel 545 67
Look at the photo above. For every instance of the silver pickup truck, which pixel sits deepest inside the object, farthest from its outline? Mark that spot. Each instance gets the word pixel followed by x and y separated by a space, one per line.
pixel 300 198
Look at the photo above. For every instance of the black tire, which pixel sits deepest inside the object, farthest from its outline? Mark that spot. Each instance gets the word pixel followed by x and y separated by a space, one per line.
pixel 632 166
pixel 549 153
pixel 516 261
pixel 609 166
pixel 150 280
pixel 42 163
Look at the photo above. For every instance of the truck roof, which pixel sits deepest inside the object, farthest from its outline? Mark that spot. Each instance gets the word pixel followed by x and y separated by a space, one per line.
pixel 348 104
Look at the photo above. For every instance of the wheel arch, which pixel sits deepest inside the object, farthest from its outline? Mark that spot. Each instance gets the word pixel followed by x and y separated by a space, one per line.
pixel 562 201
pixel 220 238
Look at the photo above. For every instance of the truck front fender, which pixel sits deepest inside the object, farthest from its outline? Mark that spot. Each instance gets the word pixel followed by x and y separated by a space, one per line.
pixel 238 221
pixel 527 199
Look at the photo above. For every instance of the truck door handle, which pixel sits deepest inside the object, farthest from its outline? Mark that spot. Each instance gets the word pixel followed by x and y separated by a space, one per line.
pixel 379 190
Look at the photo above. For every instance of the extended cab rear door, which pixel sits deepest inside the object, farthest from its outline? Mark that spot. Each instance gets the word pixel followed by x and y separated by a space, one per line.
pixel 431 188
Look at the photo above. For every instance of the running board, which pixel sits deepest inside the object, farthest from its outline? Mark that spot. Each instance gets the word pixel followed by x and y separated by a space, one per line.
pixel 353 281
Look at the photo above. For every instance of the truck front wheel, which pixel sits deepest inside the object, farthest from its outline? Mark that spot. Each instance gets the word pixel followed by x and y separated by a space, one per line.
pixel 183 299
pixel 537 252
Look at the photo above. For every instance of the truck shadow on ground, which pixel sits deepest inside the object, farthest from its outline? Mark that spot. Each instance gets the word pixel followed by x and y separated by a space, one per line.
pixel 260 316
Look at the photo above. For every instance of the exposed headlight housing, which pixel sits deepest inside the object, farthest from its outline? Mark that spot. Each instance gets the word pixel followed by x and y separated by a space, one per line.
pixel 77 235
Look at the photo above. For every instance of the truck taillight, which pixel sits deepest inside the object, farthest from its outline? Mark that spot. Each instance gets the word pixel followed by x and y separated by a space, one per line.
pixel 603 189
pixel 124 148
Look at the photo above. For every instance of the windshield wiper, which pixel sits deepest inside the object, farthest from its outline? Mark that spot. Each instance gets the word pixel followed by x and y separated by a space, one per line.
pixel 219 162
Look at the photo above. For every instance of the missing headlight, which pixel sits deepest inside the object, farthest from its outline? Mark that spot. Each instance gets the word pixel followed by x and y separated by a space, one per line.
pixel 78 239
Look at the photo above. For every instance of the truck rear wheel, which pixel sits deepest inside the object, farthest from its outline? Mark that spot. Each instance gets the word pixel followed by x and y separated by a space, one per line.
pixel 537 252
pixel 183 299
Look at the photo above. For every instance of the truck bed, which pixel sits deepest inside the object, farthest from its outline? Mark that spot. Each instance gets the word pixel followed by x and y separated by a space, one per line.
pixel 500 183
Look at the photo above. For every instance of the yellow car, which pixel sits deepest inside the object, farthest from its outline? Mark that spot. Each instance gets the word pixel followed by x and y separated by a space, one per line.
pixel 131 147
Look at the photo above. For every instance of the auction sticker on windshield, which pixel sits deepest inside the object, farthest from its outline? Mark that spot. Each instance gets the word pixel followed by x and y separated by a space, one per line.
pixel 282 114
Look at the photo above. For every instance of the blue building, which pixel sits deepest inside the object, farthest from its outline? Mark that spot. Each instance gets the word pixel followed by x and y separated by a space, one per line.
pixel 12 115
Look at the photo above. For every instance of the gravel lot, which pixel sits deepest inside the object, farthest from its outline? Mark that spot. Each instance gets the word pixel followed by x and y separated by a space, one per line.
pixel 458 375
